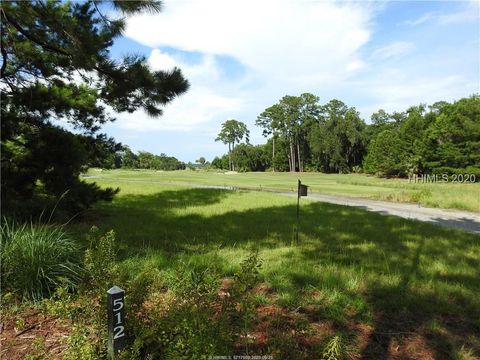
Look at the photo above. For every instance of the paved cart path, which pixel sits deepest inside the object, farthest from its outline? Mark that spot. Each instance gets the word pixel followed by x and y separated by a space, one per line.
pixel 464 220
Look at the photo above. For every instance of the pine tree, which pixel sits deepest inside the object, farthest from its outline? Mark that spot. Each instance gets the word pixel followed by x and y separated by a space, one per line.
pixel 56 68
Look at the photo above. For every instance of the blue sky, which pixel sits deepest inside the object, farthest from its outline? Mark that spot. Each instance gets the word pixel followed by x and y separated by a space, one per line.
pixel 243 56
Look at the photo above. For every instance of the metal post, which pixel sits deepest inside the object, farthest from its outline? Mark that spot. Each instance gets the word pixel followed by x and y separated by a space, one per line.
pixel 116 320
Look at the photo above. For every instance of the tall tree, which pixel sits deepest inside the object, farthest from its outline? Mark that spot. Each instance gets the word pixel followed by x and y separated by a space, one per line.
pixel 290 119
pixel 56 66
pixel 248 157
pixel 338 139
pixel 387 154
pixel 201 160
pixel 451 142
pixel 232 132
pixel 271 120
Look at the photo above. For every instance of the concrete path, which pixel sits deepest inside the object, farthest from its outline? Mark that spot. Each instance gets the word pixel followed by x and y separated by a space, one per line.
pixel 464 220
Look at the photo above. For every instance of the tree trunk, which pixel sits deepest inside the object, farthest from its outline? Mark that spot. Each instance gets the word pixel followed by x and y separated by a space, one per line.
pixel 233 149
pixel 229 157
pixel 289 156
pixel 300 167
pixel 273 153
pixel 292 155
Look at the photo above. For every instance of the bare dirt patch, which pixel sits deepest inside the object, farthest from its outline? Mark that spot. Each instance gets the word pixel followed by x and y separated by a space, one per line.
pixel 39 333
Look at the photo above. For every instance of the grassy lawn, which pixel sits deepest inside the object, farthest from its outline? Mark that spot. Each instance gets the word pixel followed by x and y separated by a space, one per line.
pixel 443 195
pixel 392 288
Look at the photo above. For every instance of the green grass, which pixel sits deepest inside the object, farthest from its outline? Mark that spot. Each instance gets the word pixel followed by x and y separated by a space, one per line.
pixel 443 195
pixel 36 259
pixel 351 267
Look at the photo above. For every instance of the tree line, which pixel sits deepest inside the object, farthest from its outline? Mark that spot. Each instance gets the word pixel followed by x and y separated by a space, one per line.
pixel 304 135
pixel 127 159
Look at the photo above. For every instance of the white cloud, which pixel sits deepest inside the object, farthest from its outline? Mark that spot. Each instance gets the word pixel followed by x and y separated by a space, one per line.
pixel 284 46
pixel 356 65
pixel 393 50
pixel 198 106
pixel 460 17
pixel 161 61
pixel 392 90
pixel 421 20
pixel 470 12
pixel 272 37
pixel 406 92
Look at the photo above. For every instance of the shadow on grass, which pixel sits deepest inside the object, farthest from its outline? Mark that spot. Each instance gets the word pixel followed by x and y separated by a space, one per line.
pixel 170 199
pixel 344 237
pixel 404 311
pixel 462 223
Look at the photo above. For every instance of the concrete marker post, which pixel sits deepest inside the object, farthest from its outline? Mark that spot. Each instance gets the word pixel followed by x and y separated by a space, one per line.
pixel 116 320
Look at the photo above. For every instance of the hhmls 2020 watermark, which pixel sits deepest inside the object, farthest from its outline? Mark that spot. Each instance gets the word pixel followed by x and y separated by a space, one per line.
pixel 442 178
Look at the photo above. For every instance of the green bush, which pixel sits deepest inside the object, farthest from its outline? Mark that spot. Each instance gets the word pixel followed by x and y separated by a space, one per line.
pixel 182 323
pixel 189 319
pixel 101 268
pixel 37 258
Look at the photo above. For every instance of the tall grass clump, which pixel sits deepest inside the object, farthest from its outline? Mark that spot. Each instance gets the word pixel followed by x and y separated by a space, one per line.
pixel 36 259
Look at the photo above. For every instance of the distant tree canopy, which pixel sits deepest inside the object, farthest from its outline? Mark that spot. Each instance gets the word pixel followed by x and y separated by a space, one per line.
pixel 232 132
pixel 201 160
pixel 443 138
pixel 337 139
pixel 308 135
pixel 290 120
pixel 121 156
pixel 56 69
pixel 146 160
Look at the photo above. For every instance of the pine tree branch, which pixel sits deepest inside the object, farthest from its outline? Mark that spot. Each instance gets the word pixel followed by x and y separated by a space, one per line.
pixel 4 51
pixel 105 20
pixel 32 37
pixel 48 14
pixel 4 58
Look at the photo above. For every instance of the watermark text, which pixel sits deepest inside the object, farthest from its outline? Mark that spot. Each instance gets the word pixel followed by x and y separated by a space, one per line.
pixel 442 178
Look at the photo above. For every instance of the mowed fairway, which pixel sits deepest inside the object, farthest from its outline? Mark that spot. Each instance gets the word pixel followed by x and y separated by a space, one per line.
pixel 462 196
pixel 392 288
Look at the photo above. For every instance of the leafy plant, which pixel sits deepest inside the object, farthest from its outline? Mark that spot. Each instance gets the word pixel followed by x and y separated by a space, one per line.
pixel 248 275
pixel 242 297
pixel 333 349
pixel 37 258
pixel 99 259
pixel 140 287
pixel 190 320
pixel 80 345
pixel 39 349
pixel 180 324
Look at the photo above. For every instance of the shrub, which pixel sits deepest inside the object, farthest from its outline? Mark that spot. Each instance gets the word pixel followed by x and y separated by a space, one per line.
pixel 37 258
pixel 191 320
pixel 101 268
pixel 81 346
pixel 183 323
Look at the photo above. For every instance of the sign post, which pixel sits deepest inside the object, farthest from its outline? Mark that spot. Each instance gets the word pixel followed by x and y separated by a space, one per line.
pixel 302 191
pixel 116 320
